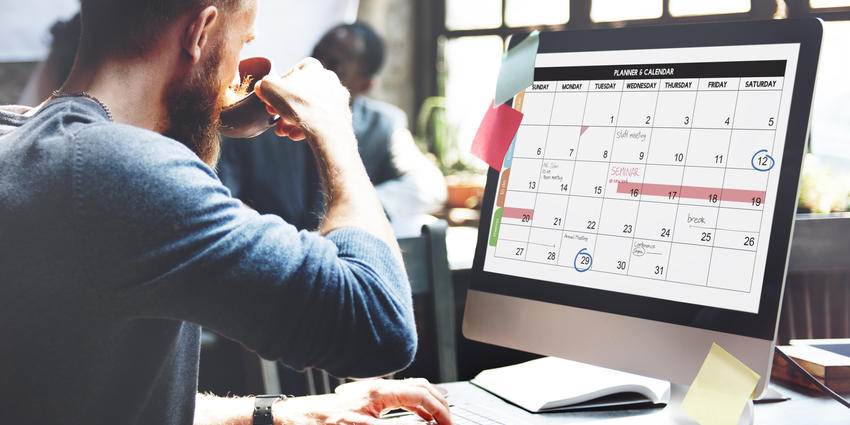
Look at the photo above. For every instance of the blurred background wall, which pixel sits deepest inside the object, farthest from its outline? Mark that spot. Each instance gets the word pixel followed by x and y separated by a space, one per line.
pixel 286 32
pixel 24 39
pixel 394 20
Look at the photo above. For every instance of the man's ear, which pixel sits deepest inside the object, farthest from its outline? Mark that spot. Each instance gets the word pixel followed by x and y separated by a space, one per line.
pixel 198 32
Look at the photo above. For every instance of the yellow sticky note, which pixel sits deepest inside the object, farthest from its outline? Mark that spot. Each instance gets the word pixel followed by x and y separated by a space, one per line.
pixel 721 389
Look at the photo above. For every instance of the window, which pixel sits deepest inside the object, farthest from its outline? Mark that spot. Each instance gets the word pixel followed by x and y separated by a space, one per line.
pixel 472 66
pixel 473 14
pixel 472 38
pixel 829 3
pixel 477 31
pixel 693 8
pixel 831 110
pixel 520 13
pixel 621 10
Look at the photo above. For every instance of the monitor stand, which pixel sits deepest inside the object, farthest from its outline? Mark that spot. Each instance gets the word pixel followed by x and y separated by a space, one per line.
pixel 672 414
pixel 676 416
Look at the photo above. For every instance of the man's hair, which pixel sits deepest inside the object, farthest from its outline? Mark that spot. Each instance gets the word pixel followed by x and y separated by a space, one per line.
pixel 372 57
pixel 132 27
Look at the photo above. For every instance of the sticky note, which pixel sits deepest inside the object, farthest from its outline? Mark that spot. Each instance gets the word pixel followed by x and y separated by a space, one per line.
pixel 495 134
pixel 721 389
pixel 517 71
pixel 494 230
pixel 503 187
pixel 509 156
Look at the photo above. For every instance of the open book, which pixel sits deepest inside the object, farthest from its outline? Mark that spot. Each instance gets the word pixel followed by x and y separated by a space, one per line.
pixel 553 384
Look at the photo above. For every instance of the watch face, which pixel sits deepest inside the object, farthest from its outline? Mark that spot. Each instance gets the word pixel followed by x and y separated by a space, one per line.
pixel 263 409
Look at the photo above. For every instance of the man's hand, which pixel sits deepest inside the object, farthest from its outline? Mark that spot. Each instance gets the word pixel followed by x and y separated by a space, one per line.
pixel 310 99
pixel 363 402
pixel 313 104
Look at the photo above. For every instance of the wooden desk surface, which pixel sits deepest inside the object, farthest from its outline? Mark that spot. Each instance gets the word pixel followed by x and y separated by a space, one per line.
pixel 803 408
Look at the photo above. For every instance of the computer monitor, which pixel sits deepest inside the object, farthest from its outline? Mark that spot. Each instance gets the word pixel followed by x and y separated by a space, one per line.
pixel 645 208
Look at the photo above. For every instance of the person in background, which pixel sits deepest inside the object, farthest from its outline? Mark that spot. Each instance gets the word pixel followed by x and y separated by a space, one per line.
pixel 50 73
pixel 276 175
pixel 118 241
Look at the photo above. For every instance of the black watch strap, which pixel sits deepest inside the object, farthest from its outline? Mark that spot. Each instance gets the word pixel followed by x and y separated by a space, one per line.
pixel 263 408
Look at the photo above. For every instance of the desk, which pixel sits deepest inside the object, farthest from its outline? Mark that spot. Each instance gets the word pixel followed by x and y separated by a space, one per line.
pixel 803 408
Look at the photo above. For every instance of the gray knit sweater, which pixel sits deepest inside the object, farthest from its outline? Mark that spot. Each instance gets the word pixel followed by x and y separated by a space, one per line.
pixel 116 243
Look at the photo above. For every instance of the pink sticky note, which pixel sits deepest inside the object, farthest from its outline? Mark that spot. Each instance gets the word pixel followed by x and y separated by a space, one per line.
pixel 495 134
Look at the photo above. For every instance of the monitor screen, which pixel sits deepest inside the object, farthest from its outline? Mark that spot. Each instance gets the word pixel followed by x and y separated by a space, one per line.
pixel 647 200
pixel 649 172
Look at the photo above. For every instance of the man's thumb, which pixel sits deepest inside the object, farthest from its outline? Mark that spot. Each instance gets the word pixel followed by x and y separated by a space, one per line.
pixel 270 91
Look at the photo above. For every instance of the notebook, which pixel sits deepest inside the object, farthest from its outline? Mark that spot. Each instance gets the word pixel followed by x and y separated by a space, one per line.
pixel 828 360
pixel 552 384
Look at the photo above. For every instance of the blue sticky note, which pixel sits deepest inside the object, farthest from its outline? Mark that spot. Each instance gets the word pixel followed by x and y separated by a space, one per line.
pixel 509 156
pixel 517 71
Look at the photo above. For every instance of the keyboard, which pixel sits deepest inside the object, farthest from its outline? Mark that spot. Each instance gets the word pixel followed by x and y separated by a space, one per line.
pixel 465 416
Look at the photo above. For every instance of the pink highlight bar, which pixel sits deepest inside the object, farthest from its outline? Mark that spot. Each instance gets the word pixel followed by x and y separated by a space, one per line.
pixel 517 213
pixel 691 192
pixel 583 129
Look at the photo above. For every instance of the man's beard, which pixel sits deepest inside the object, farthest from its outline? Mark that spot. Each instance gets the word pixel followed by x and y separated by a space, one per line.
pixel 193 106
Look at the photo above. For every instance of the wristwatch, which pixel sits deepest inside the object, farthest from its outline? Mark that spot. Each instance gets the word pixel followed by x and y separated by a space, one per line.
pixel 263 408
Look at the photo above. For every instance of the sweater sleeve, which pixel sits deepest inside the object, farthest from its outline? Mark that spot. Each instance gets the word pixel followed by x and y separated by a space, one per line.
pixel 163 239
pixel 231 166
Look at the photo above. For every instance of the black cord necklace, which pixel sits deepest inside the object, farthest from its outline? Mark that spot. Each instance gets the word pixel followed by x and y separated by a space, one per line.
pixel 60 93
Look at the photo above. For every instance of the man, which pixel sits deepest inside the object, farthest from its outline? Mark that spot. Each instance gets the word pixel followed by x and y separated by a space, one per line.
pixel 117 240
pixel 278 176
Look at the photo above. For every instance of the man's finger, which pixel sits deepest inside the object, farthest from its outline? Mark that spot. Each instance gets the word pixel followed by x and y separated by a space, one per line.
pixel 309 63
pixel 413 396
pixel 416 395
pixel 423 383
pixel 272 92
pixel 422 413
pixel 297 134
pixel 361 419
pixel 284 129
pixel 406 420
pixel 437 409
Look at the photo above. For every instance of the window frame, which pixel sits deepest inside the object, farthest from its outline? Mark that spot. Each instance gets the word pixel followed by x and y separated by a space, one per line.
pixel 431 32
pixel 580 17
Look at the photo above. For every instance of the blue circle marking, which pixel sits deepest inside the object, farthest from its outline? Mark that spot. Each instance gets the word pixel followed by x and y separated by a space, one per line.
pixel 756 167
pixel 583 253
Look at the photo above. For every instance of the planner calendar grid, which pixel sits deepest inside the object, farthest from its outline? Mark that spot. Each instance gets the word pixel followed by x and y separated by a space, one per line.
pixel 652 171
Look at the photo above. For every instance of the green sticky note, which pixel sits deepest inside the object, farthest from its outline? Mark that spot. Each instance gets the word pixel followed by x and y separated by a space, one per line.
pixel 721 389
pixel 494 229
pixel 517 71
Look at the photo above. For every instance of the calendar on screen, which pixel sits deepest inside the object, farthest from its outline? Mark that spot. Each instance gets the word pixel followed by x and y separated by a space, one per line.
pixel 648 172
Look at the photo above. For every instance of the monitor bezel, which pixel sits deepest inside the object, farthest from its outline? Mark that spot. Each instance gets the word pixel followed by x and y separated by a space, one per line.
pixel 806 32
